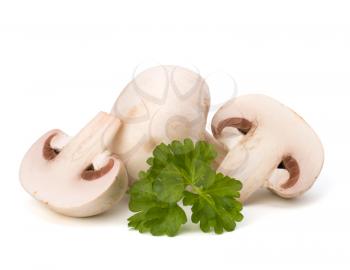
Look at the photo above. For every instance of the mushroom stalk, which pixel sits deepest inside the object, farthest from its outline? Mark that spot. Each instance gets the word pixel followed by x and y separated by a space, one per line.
pixel 91 141
pixel 219 147
pixel 252 163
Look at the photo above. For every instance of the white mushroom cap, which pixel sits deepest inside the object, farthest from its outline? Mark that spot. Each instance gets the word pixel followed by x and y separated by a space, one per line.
pixel 276 148
pixel 161 104
pixel 76 177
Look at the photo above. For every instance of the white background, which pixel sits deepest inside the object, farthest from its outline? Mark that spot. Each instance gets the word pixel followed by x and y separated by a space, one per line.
pixel 63 61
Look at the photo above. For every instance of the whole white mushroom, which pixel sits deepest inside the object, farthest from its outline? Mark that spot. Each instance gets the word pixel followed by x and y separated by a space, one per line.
pixel 161 104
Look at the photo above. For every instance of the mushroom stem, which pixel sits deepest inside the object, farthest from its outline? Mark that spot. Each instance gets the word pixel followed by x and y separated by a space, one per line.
pixel 252 163
pixel 91 140
pixel 220 149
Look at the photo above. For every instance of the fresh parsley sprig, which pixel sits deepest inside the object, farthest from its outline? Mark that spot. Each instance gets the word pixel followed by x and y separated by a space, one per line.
pixel 183 172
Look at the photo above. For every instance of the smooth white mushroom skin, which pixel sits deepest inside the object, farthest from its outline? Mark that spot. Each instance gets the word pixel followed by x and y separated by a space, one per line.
pixel 161 104
pixel 274 148
pixel 76 177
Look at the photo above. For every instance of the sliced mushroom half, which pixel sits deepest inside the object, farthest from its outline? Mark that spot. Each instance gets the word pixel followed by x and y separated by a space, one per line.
pixel 76 177
pixel 274 147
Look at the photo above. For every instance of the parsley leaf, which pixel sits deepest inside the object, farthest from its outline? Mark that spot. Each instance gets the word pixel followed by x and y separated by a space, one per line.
pixel 215 206
pixel 183 172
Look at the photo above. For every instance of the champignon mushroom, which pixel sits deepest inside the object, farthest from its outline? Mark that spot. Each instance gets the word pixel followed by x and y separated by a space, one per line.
pixel 275 147
pixel 161 104
pixel 76 177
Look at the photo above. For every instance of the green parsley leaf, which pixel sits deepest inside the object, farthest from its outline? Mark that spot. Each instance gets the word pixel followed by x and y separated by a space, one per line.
pixel 183 172
pixel 169 185
pixel 165 221
pixel 215 206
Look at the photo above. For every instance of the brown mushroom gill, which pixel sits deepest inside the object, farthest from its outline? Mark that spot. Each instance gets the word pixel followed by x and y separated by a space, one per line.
pixel 291 165
pixel 50 153
pixel 244 126
pixel 89 174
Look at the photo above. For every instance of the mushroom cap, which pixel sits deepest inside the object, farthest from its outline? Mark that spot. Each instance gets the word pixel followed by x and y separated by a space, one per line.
pixel 289 148
pixel 161 104
pixel 62 173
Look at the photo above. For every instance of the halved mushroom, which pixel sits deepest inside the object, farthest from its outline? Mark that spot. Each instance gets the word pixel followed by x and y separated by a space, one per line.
pixel 272 146
pixel 161 104
pixel 76 177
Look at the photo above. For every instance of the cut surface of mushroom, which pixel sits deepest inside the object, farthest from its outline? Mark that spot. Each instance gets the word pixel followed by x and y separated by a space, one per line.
pixel 76 176
pixel 276 148
pixel 161 104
